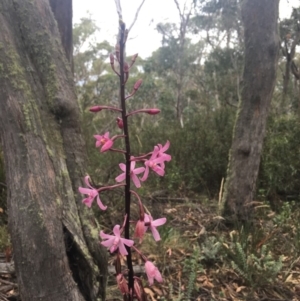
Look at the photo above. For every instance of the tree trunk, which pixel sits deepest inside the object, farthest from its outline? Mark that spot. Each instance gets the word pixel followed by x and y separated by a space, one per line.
pixel 63 12
pixel 55 238
pixel 261 57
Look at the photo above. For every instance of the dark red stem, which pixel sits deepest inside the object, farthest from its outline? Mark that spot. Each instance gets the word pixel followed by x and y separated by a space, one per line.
pixel 127 155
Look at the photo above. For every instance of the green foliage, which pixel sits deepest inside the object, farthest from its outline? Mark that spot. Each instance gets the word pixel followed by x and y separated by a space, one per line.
pixel 4 238
pixel 191 266
pixel 280 165
pixel 283 217
pixel 256 269
pixel 212 248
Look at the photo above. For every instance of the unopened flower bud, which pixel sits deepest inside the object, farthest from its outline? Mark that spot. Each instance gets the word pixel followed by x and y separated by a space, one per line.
pixel 120 123
pixel 137 84
pixel 96 109
pixel 134 57
pixel 139 290
pixel 148 111
pixel 153 111
pixel 126 67
pixel 122 284
pixel 140 229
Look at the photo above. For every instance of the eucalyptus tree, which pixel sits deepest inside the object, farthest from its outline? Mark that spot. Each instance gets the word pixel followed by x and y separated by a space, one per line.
pixel 261 43
pixel 55 238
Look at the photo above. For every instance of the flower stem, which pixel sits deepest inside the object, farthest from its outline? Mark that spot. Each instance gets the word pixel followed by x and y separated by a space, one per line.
pixel 127 153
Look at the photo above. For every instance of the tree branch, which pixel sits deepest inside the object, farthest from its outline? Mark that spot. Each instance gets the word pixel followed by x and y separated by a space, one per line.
pixel 136 15
pixel 119 9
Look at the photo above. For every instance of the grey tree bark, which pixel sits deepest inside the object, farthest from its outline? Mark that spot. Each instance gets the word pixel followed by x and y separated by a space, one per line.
pixel 261 42
pixel 55 238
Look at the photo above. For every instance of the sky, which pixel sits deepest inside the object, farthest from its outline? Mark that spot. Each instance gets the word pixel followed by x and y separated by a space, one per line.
pixel 143 37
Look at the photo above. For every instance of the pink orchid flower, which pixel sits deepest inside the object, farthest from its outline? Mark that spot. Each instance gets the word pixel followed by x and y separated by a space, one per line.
pixel 161 153
pixel 149 222
pixel 105 141
pixel 133 173
pixel 154 163
pixel 92 193
pixel 115 241
pixel 152 272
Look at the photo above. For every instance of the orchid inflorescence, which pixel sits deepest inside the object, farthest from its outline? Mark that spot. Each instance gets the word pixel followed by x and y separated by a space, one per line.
pixel 119 241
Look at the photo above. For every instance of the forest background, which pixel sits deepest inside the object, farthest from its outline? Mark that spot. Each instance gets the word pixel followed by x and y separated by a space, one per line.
pixel 194 77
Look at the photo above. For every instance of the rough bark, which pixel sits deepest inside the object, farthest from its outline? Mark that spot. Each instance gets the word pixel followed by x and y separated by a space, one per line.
pixel 55 238
pixel 260 62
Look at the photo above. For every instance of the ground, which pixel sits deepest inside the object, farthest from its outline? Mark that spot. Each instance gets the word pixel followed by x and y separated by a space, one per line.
pixel 203 259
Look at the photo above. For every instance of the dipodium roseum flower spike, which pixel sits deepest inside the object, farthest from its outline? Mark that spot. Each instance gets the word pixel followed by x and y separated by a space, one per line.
pixel 153 224
pixel 114 242
pixel 154 163
pixel 92 194
pixel 152 272
pixel 133 173
pixel 148 111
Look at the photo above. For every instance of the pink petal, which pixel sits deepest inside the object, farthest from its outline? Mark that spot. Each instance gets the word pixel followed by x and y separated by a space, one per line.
pixel 121 177
pixel 122 166
pixel 107 145
pixel 106 236
pixel 150 280
pixel 127 242
pixel 155 233
pixel 158 276
pixel 102 207
pixel 88 202
pixel 150 271
pixel 98 137
pixel 116 230
pixel 145 176
pixel 160 171
pixel 162 165
pixel 165 147
pixel 83 190
pixel 148 218
pixel 87 181
pixel 136 181
pixel 167 157
pixel 159 222
pixel 98 140
pixel 154 153
pixel 158 160
pixel 132 165
pixel 106 135
pixel 138 170
pixel 122 249
pixel 108 243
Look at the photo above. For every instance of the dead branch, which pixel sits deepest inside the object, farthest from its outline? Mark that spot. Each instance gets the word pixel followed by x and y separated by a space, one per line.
pixel 136 15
